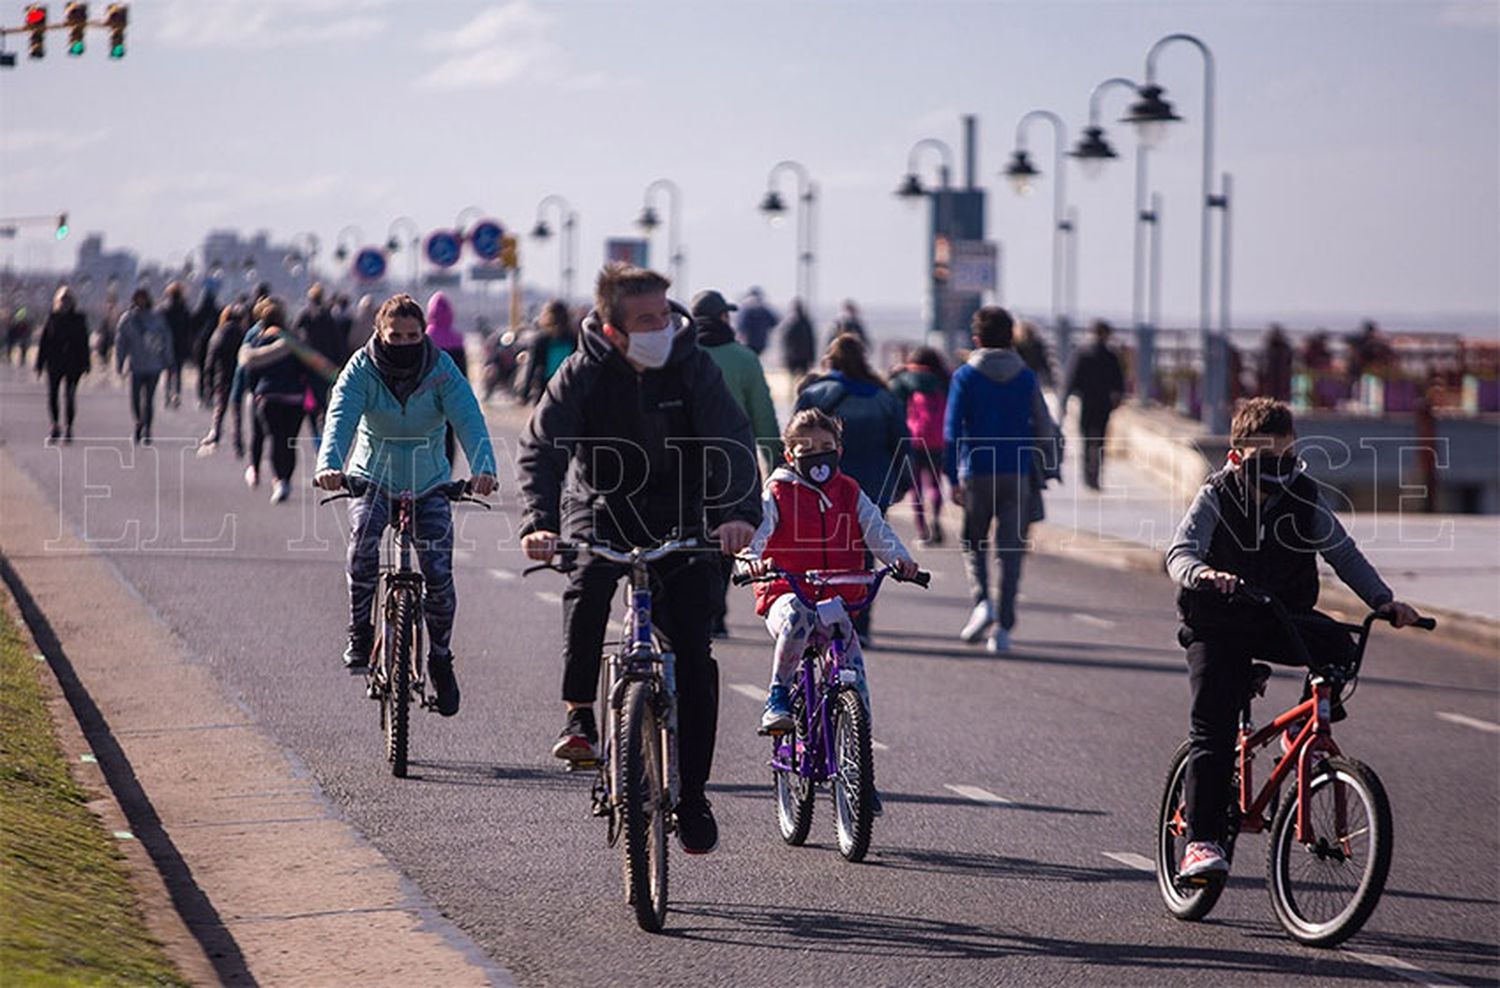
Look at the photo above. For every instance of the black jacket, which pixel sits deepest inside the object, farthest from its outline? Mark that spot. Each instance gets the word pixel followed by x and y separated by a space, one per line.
pixel 631 457
pixel 320 329
pixel 1098 380
pixel 221 359
pixel 181 322
pixel 64 346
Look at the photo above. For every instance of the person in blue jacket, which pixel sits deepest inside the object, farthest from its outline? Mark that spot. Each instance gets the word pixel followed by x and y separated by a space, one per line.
pixel 392 404
pixel 1000 445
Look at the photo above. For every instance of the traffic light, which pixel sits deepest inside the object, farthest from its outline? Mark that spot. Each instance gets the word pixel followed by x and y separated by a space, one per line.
pixel 76 16
pixel 509 257
pixel 36 24
pixel 62 226
pixel 114 19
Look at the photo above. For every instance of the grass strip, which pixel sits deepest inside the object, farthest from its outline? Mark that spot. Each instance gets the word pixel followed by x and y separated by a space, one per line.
pixel 68 915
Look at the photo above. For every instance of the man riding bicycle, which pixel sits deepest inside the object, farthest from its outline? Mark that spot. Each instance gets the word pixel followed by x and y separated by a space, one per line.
pixel 635 441
pixel 392 403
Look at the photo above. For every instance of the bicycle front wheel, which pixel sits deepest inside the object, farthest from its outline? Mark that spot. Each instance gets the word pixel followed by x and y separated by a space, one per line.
pixel 794 791
pixel 644 807
pixel 854 781
pixel 1186 902
pixel 396 701
pixel 1323 892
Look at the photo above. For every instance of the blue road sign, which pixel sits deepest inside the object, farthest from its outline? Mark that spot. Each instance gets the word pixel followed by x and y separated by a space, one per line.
pixel 443 248
pixel 485 236
pixel 369 264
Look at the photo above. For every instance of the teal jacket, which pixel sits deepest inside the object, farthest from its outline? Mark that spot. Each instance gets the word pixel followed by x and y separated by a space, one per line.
pixel 400 446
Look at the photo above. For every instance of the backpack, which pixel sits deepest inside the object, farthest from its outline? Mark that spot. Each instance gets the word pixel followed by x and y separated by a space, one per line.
pixel 924 418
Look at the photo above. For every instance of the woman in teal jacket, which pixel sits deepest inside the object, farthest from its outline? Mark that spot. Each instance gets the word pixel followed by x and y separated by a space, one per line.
pixel 392 404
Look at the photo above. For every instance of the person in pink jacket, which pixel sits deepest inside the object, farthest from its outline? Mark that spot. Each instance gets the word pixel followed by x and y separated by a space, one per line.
pixel 449 340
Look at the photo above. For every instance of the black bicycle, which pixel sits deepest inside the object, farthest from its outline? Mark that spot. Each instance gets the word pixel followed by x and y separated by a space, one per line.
pixel 637 786
pixel 397 662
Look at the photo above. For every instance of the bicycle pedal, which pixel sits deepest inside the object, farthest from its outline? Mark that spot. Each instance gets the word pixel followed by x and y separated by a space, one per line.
pixel 775 732
pixel 584 765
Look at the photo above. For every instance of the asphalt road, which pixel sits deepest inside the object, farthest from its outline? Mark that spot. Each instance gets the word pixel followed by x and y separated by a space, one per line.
pixel 1041 884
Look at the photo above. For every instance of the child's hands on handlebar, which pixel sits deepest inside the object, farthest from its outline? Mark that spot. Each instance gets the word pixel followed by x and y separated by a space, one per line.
pixel 907 569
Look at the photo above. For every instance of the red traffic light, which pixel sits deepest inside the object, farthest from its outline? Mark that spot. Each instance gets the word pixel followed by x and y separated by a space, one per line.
pixel 36 24
pixel 36 15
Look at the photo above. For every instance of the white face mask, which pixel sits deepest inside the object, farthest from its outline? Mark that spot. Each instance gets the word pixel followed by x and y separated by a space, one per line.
pixel 650 350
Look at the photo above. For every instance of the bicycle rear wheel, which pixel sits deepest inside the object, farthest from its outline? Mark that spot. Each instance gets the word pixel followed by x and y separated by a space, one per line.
pixel 395 702
pixel 643 805
pixel 1186 902
pixel 794 791
pixel 854 780
pixel 1325 891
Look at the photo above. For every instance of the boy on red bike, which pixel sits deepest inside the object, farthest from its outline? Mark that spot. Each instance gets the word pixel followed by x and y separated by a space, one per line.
pixel 814 518
pixel 1262 520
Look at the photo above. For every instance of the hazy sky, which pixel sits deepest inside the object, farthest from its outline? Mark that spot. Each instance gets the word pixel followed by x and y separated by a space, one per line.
pixel 1363 136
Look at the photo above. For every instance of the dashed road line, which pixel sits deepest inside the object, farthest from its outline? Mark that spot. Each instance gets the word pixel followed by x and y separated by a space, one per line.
pixel 503 575
pixel 978 795
pixel 1137 861
pixel 548 597
pixel 756 693
pixel 1396 965
pixel 1464 721
pixel 879 745
pixel 1089 619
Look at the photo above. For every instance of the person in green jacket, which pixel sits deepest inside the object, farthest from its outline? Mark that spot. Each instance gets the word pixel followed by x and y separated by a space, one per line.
pixel 746 381
pixel 392 404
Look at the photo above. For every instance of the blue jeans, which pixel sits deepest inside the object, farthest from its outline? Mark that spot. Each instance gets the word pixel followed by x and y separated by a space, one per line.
pixel 433 542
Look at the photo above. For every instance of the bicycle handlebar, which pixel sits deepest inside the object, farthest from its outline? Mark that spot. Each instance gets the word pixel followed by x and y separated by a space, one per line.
pixel 567 553
pixel 458 491
pixel 828 578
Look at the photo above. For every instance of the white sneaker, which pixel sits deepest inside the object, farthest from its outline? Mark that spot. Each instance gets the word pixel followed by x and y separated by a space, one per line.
pixel 999 641
pixel 280 491
pixel 979 622
pixel 252 476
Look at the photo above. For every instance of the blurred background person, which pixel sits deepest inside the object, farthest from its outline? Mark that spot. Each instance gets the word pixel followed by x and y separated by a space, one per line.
pixel 1098 379
pixel 756 321
pixel 921 384
pixel 62 353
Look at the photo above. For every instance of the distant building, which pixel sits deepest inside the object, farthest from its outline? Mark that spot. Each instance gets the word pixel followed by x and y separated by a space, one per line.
pixel 242 264
pixel 97 267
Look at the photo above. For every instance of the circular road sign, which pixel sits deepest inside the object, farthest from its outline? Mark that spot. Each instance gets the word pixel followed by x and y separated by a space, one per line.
pixel 443 247
pixel 485 236
pixel 369 264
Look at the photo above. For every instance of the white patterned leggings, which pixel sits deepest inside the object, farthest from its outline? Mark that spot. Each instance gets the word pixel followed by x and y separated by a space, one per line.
pixel 792 624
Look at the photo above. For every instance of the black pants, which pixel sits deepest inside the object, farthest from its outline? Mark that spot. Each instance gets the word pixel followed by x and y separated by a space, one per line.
pixel 68 383
pixel 279 422
pixel 143 401
pixel 1093 427
pixel 683 591
pixel 1219 675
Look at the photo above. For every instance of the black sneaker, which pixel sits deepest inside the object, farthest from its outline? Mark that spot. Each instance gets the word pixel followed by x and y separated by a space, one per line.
pixel 696 828
pixel 579 738
pixel 357 653
pixel 440 669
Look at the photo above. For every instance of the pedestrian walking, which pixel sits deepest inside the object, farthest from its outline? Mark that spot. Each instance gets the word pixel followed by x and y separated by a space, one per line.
pixel 205 319
pixel 997 422
pixel 848 322
pixel 445 337
pixel 180 322
pixel 755 322
pixel 143 341
pixel 62 354
pixel 746 380
pixel 318 328
pixel 104 337
pixel 220 364
pixel 1033 350
pixel 278 379
pixel 921 385
pixel 553 342
pixel 611 428
pixel 874 429
pixel 797 341
pixel 1098 379
pixel 1276 364
pixel 18 335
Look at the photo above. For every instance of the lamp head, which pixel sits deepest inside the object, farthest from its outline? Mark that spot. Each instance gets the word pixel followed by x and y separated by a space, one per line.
pixel 773 207
pixel 541 231
pixel 1150 114
pixel 911 187
pixel 648 220
pixel 1021 172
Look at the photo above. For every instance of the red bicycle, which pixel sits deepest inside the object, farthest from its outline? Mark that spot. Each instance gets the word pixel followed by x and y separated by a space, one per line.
pixel 1330 847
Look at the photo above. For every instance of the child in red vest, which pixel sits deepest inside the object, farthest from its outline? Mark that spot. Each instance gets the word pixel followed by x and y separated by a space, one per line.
pixel 816 518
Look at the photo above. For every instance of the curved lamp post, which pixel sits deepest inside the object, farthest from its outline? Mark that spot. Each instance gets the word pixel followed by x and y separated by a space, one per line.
pixel 411 245
pixel 774 208
pixel 1022 174
pixel 1150 114
pixel 342 250
pixel 911 188
pixel 566 247
pixel 306 253
pixel 648 221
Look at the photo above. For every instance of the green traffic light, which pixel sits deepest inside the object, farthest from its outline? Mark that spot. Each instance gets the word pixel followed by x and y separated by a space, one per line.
pixel 116 51
pixel 62 232
pixel 76 48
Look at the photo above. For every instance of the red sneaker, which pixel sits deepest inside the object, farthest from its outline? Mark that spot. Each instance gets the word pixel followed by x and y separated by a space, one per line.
pixel 1201 859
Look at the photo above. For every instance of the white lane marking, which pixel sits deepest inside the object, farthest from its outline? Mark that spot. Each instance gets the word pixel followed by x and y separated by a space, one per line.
pixel 548 597
pixel 502 574
pixel 879 745
pixel 1137 861
pixel 1397 966
pixel 1474 722
pixel 1097 622
pixel 463 555
pixel 978 795
pixel 756 693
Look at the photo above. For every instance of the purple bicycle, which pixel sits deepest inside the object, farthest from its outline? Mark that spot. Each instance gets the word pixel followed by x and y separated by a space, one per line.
pixel 830 740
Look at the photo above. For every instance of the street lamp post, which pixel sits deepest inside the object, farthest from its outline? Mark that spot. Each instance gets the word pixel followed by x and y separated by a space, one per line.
pixel 567 246
pixel 1151 113
pixel 1091 152
pixel 648 221
pixel 774 208
pixel 342 250
pixel 307 253
pixel 395 245
pixel 1022 173
pixel 910 191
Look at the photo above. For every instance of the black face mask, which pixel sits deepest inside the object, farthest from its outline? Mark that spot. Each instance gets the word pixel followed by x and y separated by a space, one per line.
pixel 403 356
pixel 1270 472
pixel 817 468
